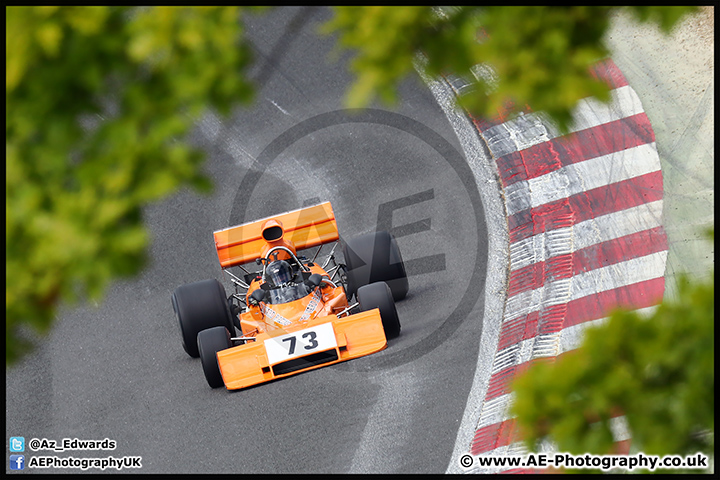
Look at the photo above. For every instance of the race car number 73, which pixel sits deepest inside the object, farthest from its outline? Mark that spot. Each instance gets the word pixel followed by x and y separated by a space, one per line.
pixel 302 342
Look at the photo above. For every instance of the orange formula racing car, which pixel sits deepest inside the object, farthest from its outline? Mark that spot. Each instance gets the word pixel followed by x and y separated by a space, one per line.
pixel 292 314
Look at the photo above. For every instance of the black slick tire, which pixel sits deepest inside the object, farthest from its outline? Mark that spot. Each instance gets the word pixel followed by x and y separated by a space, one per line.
pixel 209 342
pixel 375 257
pixel 378 295
pixel 199 306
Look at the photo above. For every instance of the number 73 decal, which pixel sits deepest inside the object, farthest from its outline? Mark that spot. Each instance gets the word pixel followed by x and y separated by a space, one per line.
pixel 302 342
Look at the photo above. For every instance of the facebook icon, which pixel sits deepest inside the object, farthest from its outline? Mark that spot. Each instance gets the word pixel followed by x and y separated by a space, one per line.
pixel 17 462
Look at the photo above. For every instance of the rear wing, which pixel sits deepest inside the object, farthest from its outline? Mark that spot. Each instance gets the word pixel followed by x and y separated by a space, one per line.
pixel 304 227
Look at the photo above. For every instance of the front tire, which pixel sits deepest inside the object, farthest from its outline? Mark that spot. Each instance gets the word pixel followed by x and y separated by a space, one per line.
pixel 209 342
pixel 199 306
pixel 378 295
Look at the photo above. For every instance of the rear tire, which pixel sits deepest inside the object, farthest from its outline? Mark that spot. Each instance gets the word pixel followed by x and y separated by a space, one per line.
pixel 209 342
pixel 375 257
pixel 199 306
pixel 378 295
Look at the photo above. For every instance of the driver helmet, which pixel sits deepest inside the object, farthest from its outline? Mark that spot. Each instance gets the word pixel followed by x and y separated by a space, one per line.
pixel 279 272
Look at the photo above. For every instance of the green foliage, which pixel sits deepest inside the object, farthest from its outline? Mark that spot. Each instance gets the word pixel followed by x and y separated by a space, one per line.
pixel 657 371
pixel 98 103
pixel 665 17
pixel 387 39
pixel 541 56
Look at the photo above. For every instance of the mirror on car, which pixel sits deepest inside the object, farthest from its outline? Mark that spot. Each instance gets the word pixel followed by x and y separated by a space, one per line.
pixel 314 280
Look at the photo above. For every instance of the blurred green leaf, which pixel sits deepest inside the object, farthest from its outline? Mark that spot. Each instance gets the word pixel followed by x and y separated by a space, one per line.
pixel 657 371
pixel 99 101
pixel 541 56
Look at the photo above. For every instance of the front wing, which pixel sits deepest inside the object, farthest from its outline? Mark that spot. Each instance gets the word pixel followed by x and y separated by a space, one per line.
pixel 320 342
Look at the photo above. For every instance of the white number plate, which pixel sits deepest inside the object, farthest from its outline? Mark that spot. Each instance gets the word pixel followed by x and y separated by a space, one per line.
pixel 302 342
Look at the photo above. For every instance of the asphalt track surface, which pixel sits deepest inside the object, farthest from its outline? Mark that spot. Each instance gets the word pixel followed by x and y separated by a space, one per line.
pixel 118 370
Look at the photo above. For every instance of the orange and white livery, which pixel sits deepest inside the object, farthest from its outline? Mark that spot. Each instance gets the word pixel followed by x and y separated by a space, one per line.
pixel 291 314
